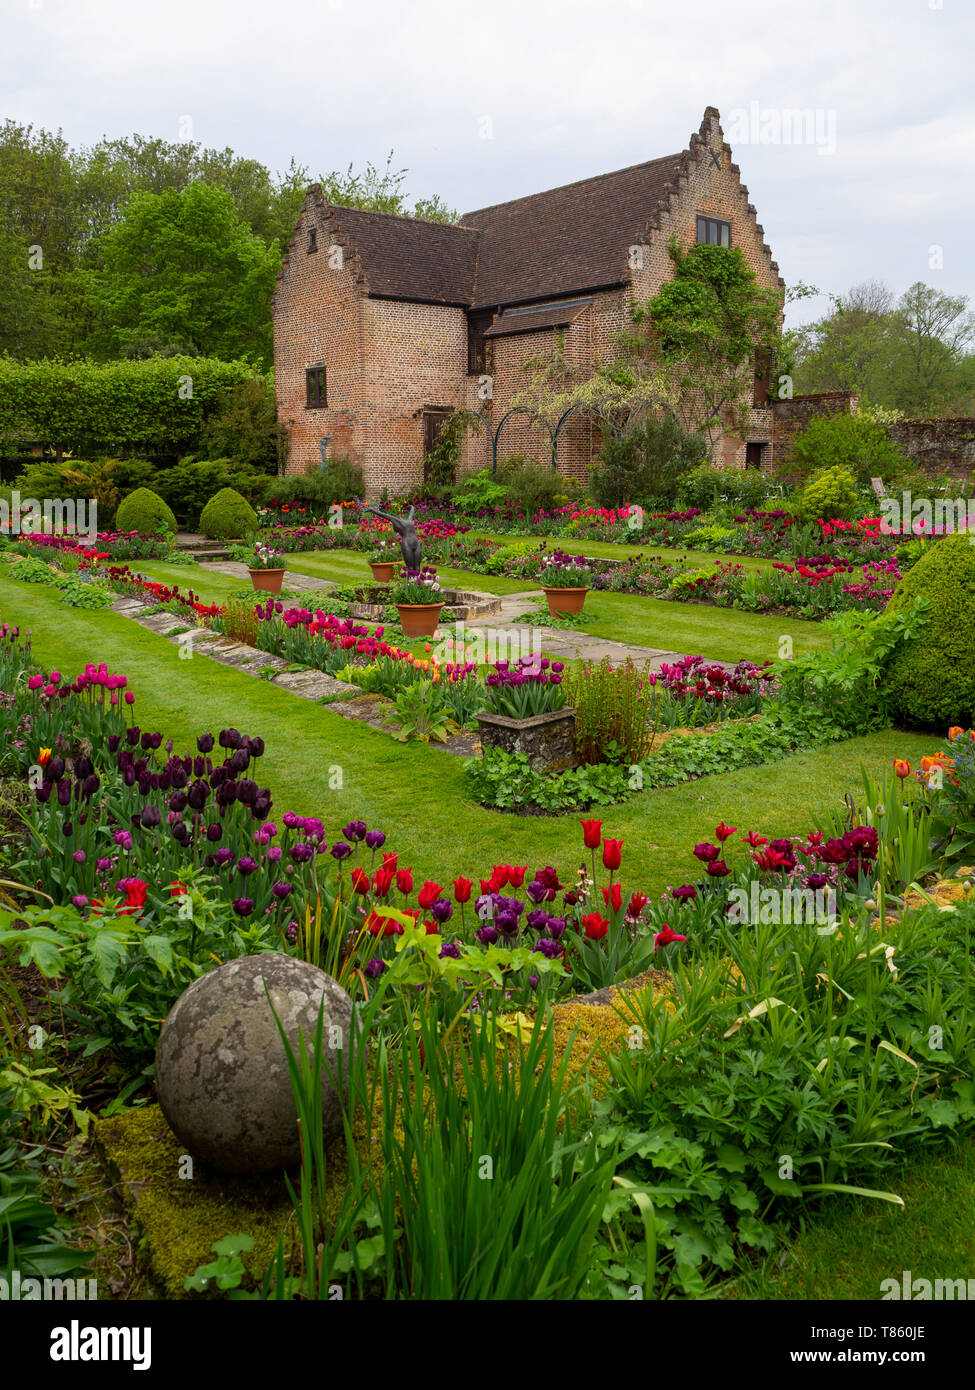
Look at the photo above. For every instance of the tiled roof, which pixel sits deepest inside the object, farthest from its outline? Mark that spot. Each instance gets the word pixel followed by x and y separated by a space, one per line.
pixel 568 239
pixel 405 258
pixel 552 316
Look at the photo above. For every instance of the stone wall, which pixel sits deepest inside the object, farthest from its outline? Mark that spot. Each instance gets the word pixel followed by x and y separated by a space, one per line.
pixel 790 418
pixel 937 445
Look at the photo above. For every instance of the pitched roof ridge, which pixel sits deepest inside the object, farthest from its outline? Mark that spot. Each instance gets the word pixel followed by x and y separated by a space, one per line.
pixel 393 216
pixel 561 187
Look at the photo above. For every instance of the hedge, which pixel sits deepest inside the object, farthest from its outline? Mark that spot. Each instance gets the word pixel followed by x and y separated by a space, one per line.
pixel 160 403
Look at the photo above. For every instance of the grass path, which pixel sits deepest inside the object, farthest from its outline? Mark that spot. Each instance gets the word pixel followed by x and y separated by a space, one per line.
pixel 416 793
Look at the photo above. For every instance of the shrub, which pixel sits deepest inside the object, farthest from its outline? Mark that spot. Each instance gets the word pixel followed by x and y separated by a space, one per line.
pixel 103 481
pixel 190 484
pixel 931 680
pixel 615 711
pixel 853 442
pixel 831 494
pixel 647 461
pixel 145 511
pixel 741 487
pixel 227 516
pixel 478 490
pixel 244 427
pixel 533 489
pixel 318 489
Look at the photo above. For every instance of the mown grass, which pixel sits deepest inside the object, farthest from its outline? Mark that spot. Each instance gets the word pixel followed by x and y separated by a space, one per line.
pixel 852 1245
pixel 416 793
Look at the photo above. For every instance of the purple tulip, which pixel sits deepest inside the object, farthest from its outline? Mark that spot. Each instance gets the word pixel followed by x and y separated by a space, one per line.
pixel 243 907
pixel 451 949
pixel 487 935
pixel 246 865
pixel 376 967
pixel 441 910
pixel 340 850
pixel 281 890
pixel 375 839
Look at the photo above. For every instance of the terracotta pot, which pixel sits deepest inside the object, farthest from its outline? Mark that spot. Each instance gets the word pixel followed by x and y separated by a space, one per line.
pixel 267 580
pixel 419 619
pixel 382 572
pixel 565 600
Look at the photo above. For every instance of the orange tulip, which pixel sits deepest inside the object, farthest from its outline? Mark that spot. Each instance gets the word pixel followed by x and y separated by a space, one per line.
pixel 955 732
pixel 936 760
pixel 44 757
pixel 902 768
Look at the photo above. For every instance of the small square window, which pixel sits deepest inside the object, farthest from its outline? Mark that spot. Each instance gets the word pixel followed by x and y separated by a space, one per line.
pixel 316 394
pixel 711 231
pixel 312 239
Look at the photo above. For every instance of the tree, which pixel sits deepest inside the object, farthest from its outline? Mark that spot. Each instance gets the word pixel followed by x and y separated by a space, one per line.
pixel 907 355
pixel 705 325
pixel 182 272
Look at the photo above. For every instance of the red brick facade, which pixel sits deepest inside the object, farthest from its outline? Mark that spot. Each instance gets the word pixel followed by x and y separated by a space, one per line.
pixel 382 303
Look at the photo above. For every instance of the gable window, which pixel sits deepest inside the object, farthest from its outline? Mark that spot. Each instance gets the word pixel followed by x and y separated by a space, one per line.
pixel 312 239
pixel 711 231
pixel 315 390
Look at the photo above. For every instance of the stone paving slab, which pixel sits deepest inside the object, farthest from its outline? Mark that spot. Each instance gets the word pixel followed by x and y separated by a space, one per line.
pixel 315 685
pixel 292 580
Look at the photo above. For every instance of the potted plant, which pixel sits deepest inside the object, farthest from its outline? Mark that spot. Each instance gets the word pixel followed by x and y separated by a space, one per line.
pixel 382 562
pixel 565 580
pixel 526 712
pixel 266 567
pixel 418 602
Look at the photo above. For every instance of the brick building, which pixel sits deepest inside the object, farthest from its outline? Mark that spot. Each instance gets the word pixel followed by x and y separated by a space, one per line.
pixel 383 324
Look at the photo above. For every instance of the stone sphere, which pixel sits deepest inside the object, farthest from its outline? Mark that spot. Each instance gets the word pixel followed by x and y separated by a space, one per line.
pixel 221 1068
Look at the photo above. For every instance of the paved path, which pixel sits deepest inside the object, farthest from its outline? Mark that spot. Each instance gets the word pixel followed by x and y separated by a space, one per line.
pixel 565 644
pixel 292 580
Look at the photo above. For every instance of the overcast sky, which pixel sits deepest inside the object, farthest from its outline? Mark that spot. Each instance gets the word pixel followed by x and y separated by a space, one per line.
pixel 489 101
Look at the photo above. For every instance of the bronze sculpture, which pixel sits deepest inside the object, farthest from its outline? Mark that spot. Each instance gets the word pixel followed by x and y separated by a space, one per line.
pixel 409 541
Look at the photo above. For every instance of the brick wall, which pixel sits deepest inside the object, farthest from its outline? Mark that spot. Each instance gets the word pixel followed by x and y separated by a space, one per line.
pixel 938 445
pixel 317 318
pixel 790 418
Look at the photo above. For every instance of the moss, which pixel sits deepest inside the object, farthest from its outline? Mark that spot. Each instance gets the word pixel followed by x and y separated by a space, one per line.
pixel 180 1218
pixel 931 678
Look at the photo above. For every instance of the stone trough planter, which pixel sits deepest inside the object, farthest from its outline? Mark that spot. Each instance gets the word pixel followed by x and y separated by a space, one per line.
pixel 548 740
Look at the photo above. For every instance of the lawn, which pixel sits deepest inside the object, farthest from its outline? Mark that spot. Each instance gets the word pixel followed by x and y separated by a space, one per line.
pixel 385 783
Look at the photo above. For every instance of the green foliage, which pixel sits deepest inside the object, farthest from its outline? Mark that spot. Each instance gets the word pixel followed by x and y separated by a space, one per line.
pixel 852 684
pixel 705 324
pixel 477 490
pixel 614 706
pixel 159 405
pixel 440 464
pixel 532 489
pixel 183 274
pixel 422 714
pixel 931 680
pixel 227 516
pixel 244 427
pixel 32 1236
pixel 190 484
pixel 747 487
pixel 103 481
pixel 831 494
pixel 146 512
pixel 320 488
pixel 853 443
pixel 764 1090
pixel 647 461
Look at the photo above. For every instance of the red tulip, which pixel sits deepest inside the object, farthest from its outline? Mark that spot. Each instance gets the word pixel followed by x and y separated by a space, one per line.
pixel 638 902
pixel 404 881
pixel 487 885
pixel 666 936
pixel 360 881
pixel 390 860
pixel 756 841
pixel 724 831
pixel 596 926
pixel 428 894
pixel 612 855
pixel 177 890
pixel 516 876
pixel 382 881
pixel 717 868
pixel 613 897
pixel 592 833
pixel 462 890
pixel 499 876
